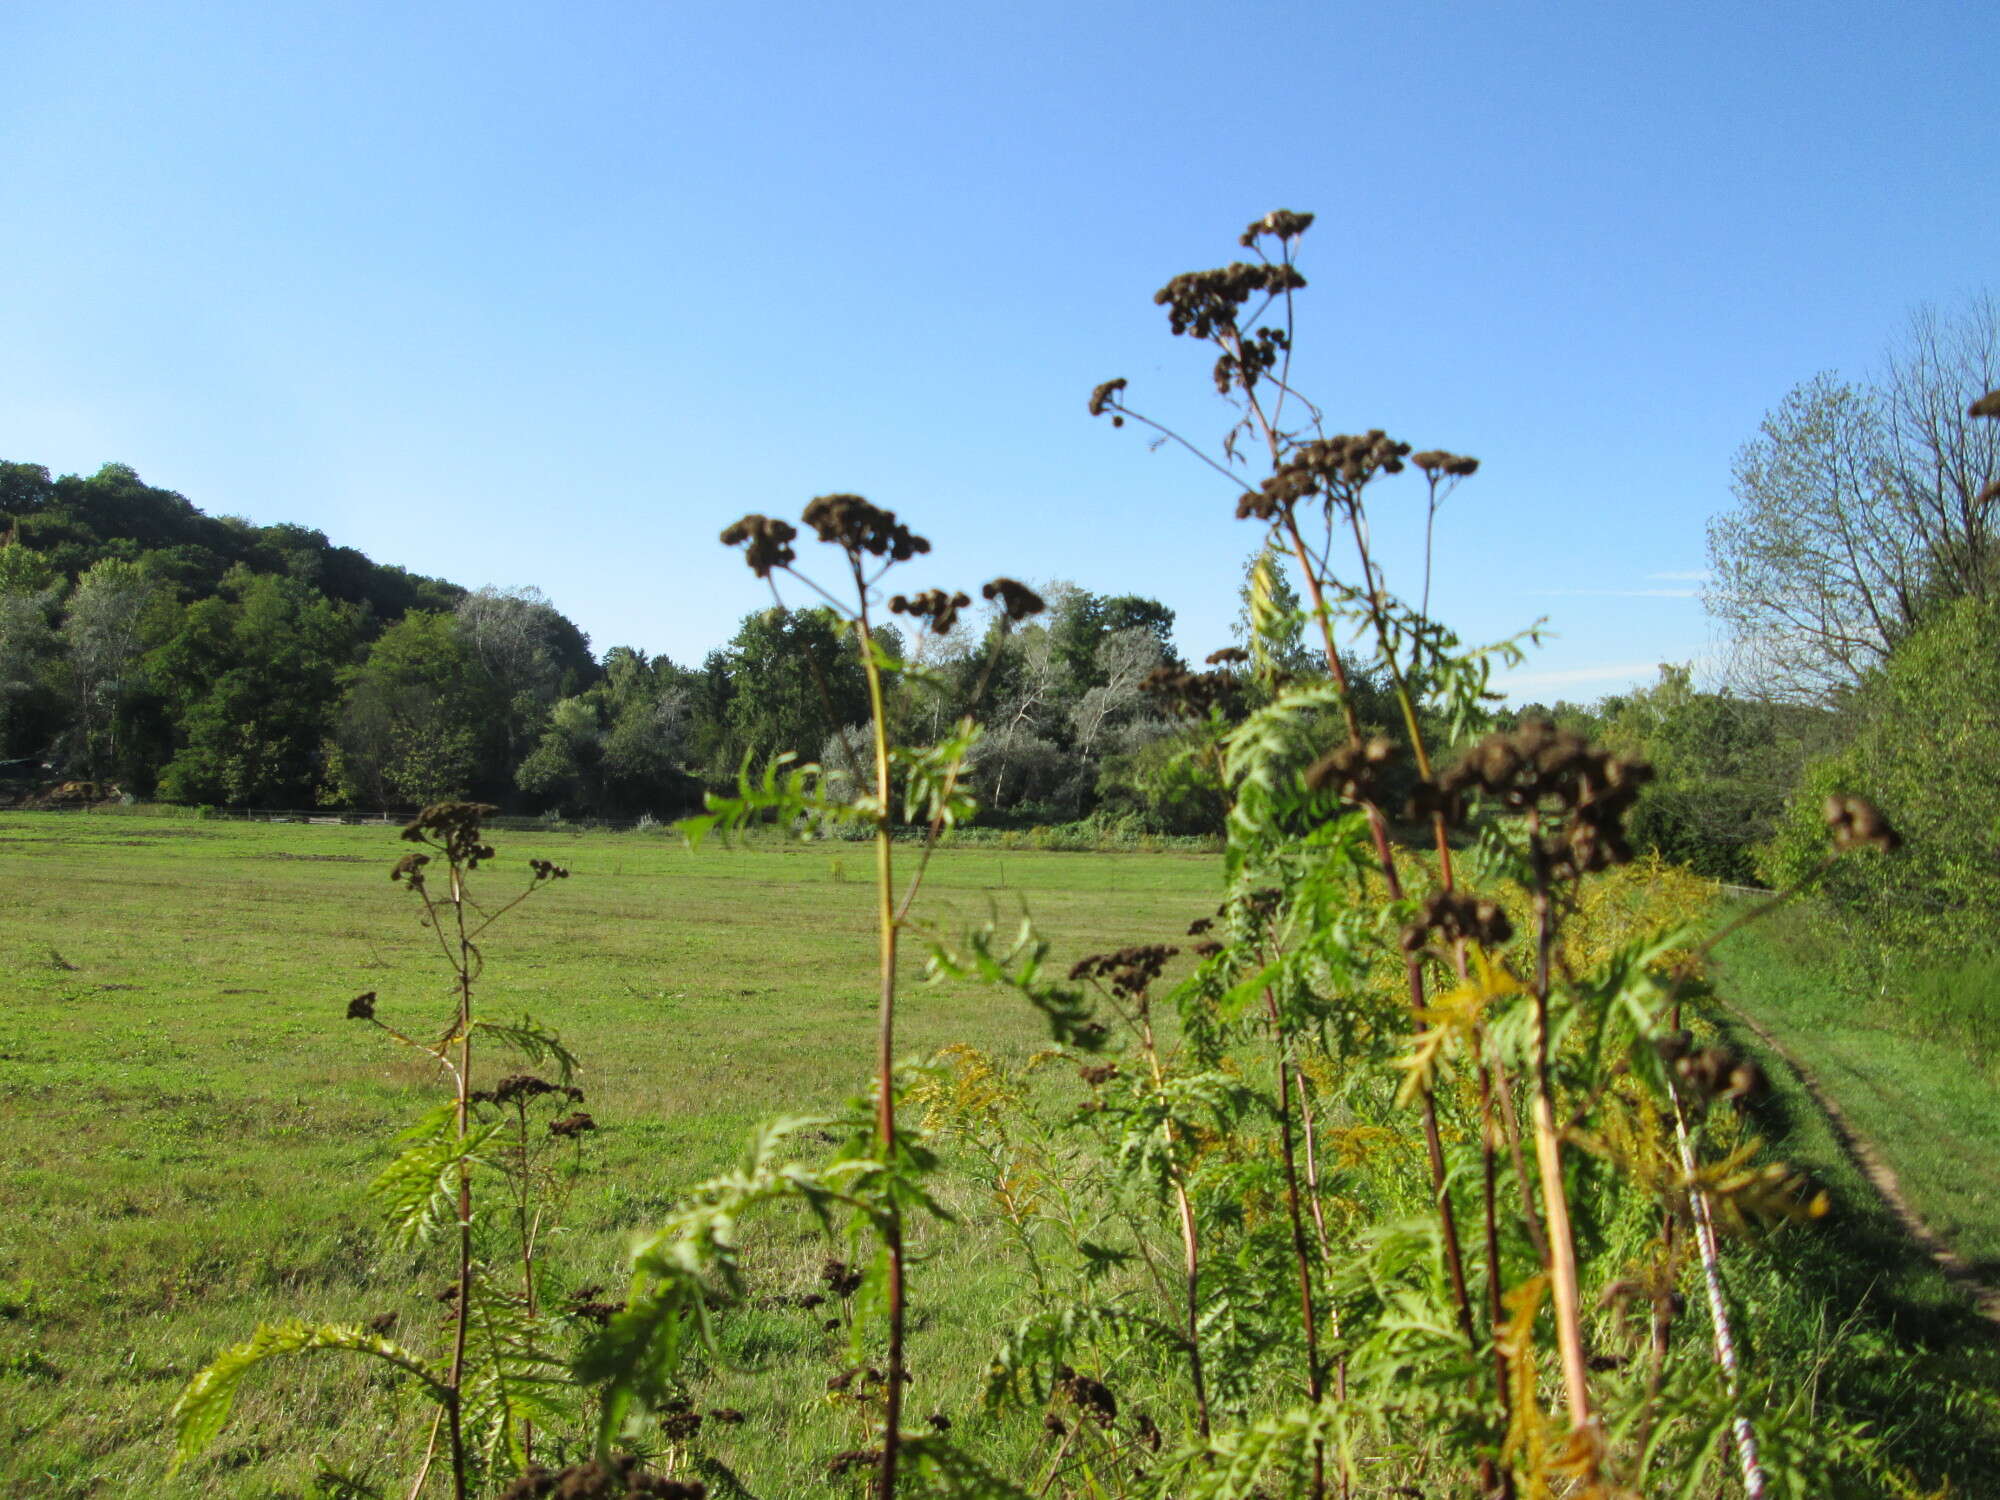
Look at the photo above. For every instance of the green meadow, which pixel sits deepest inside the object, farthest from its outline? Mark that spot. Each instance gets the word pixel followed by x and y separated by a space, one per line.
pixel 188 1122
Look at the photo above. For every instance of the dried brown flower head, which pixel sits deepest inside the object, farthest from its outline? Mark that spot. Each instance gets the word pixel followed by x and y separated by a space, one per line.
pixel 1280 223
pixel 1205 303
pixel 1540 768
pixel 1333 469
pixel 841 1279
pixel 766 543
pixel 1355 772
pixel 453 827
pixel 411 868
pixel 521 1087
pixel 850 522
pixel 1192 695
pixel 1105 395
pixel 547 870
pixel 1092 1396
pixel 1435 461
pixel 571 1126
pixel 1987 405
pixel 1857 823
pixel 620 1479
pixel 1228 656
pixel 1251 359
pixel 362 1007
pixel 1097 1074
pixel 1018 602
pixel 935 605
pixel 1129 972
pixel 1458 916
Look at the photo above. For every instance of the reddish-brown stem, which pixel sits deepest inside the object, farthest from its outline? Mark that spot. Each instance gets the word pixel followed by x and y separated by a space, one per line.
pixel 1299 1252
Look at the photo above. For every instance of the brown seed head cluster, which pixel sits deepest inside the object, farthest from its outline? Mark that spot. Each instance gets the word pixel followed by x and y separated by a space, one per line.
pixel 1857 823
pixel 841 1279
pixel 521 1087
pixel 678 1420
pixel 453 827
pixel 1129 972
pixel 572 1126
pixel 1192 694
pixel 851 522
pixel 411 868
pixel 935 605
pixel 1335 468
pixel 583 1304
pixel 1093 1397
pixel 1987 405
pixel 1356 772
pixel 1710 1074
pixel 1103 395
pixel 1205 303
pixel 620 1479
pixel 1253 358
pixel 766 543
pixel 850 1459
pixel 1017 601
pixel 1280 223
pixel 1435 461
pixel 1540 767
pixel 547 870
pixel 1458 916
pixel 362 1007
pixel 1097 1074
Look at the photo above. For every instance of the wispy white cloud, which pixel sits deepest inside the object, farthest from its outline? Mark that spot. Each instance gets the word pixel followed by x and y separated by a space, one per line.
pixel 1619 593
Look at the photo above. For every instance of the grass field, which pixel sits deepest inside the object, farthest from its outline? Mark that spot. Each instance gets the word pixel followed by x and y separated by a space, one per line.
pixel 187 1122
pixel 1925 1102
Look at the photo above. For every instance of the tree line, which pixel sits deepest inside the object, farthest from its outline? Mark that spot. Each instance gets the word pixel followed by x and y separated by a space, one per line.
pixel 206 660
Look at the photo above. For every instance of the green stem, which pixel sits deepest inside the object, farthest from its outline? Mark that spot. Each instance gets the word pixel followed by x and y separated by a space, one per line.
pixel 885 1053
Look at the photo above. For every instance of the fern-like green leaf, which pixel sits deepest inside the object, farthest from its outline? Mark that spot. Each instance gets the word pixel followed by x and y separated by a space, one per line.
pixel 417 1189
pixel 538 1043
pixel 204 1406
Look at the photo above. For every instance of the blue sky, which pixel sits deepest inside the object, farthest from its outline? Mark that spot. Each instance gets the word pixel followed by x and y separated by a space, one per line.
pixel 548 294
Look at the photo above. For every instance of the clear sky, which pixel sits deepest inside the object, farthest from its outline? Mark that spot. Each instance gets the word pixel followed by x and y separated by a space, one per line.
pixel 548 293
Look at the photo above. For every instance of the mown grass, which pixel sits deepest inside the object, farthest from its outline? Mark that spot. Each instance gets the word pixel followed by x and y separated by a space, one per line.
pixel 187 1123
pixel 1914 1089
pixel 1849 1303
